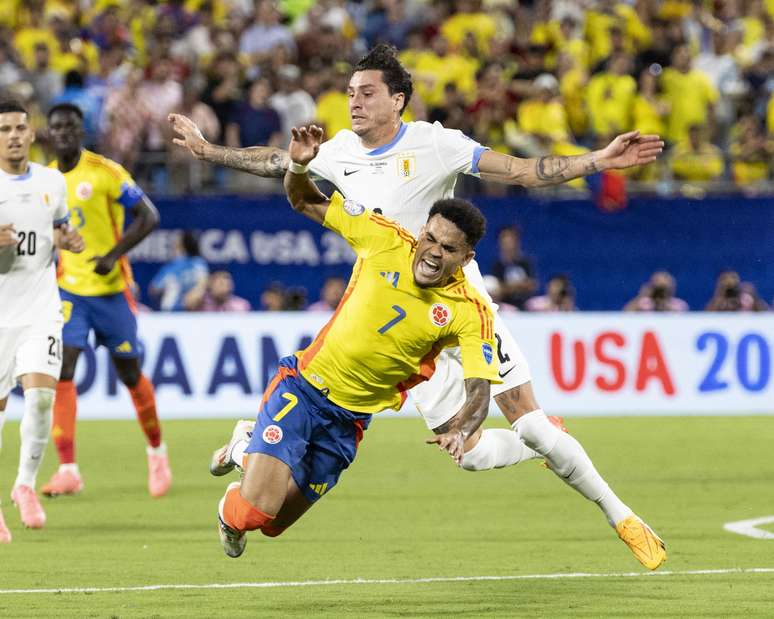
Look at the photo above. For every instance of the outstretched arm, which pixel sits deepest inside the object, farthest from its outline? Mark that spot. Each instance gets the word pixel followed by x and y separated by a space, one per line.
pixel 303 194
pixel 266 161
pixel 625 151
pixel 452 435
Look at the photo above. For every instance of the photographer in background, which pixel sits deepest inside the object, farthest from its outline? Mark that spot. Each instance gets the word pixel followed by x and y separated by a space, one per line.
pixel 559 297
pixel 734 295
pixel 657 295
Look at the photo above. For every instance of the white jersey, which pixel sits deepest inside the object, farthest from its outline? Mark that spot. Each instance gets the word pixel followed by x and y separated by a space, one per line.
pixel 403 178
pixel 34 203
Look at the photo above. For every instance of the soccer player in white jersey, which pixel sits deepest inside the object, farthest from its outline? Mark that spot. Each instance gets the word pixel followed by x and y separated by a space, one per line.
pixel 401 169
pixel 33 221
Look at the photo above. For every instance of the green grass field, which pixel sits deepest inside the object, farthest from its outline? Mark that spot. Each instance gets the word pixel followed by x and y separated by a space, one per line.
pixel 404 512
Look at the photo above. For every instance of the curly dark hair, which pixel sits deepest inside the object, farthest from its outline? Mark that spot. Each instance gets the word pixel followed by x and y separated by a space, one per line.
pixel 463 215
pixel 384 58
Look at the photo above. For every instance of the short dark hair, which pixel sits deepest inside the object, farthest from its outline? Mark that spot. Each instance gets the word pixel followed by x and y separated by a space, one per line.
pixel 8 106
pixel 66 107
pixel 190 243
pixel 463 215
pixel 384 58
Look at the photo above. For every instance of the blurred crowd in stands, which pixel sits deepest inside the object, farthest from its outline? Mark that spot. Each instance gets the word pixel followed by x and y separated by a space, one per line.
pixel 186 284
pixel 524 77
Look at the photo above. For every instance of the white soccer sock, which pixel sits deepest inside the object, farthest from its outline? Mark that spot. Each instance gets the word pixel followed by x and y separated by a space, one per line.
pixel 34 430
pixel 238 452
pixel 495 449
pixel 569 461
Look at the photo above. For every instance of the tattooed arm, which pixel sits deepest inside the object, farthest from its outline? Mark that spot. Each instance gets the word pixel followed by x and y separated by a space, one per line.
pixel 266 161
pixel 627 150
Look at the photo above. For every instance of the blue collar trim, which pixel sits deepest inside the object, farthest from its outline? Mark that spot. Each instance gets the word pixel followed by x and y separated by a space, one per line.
pixel 393 142
pixel 23 177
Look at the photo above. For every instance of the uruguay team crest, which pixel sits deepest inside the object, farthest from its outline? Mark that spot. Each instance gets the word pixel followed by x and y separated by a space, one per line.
pixel 84 190
pixel 487 350
pixel 353 208
pixel 440 315
pixel 407 165
pixel 272 435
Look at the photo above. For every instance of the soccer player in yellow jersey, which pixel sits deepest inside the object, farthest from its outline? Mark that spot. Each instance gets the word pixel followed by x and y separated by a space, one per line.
pixel 406 300
pixel 95 292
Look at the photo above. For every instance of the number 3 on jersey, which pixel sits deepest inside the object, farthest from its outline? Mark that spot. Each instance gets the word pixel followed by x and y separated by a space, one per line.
pixel 401 315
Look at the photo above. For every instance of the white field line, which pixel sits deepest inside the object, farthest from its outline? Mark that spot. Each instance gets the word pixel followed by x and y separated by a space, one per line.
pixel 395 581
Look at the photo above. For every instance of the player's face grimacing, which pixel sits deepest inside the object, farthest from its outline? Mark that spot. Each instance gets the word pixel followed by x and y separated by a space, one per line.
pixel 16 135
pixel 371 106
pixel 441 249
pixel 66 131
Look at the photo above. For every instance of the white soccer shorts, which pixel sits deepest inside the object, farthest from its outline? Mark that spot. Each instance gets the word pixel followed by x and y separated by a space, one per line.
pixel 442 397
pixel 30 349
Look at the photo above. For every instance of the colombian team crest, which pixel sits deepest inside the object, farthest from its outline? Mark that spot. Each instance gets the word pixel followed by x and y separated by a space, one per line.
pixel 487 350
pixel 272 434
pixel 353 208
pixel 84 191
pixel 407 165
pixel 440 315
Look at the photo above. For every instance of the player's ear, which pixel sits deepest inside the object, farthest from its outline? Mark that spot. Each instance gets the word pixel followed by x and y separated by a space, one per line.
pixel 468 257
pixel 398 101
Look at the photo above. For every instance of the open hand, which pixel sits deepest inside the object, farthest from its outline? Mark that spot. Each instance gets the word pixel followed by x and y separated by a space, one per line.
pixel 305 143
pixel 188 134
pixel 452 442
pixel 631 149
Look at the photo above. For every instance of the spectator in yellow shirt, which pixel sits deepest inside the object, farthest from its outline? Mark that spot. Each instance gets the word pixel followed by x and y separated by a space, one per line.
pixel 572 87
pixel 770 115
pixel 649 109
pixel 437 67
pixel 607 15
pixel 751 152
pixel 610 97
pixel 696 159
pixel 35 31
pixel 469 18
pixel 333 105
pixel 543 114
pixel 690 94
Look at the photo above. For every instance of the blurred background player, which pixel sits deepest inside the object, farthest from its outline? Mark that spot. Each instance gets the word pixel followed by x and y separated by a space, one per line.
pixel 96 294
pixel 402 168
pixel 316 409
pixel 33 220
pixel 183 273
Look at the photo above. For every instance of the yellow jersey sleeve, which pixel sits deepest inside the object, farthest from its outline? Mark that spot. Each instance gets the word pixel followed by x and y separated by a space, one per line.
pixel 120 186
pixel 367 233
pixel 475 336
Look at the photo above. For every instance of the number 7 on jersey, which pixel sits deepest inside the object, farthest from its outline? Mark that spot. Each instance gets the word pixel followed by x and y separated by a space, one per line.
pixel 401 315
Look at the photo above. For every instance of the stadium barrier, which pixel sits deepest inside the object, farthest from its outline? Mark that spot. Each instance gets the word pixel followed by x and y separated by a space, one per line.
pixel 608 256
pixel 217 365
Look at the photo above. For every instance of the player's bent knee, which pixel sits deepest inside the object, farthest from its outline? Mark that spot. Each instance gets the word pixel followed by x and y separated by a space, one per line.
pixel 517 401
pixel 271 531
pixel 240 514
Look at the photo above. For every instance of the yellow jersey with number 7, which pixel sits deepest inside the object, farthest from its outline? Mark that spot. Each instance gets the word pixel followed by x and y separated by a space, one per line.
pixel 387 331
pixel 98 191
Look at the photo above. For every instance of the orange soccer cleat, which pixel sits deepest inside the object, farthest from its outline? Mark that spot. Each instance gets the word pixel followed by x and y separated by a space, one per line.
pixel 648 547
pixel 30 510
pixel 63 482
